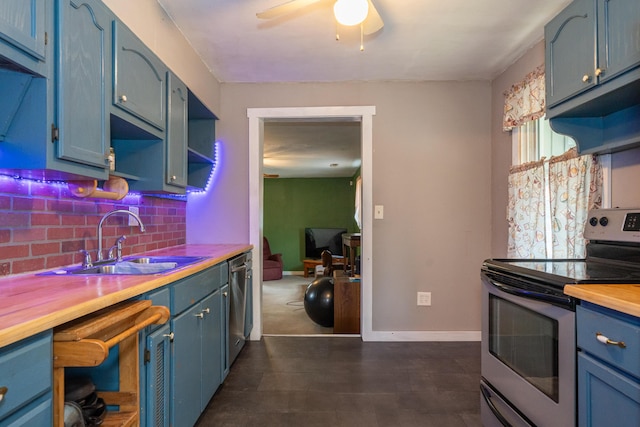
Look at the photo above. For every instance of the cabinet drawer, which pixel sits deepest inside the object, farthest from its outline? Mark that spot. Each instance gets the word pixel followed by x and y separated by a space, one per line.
pixel 616 326
pixel 160 297
pixel 26 371
pixel 192 289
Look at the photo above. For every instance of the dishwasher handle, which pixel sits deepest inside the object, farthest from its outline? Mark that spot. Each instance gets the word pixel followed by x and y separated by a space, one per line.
pixel 239 268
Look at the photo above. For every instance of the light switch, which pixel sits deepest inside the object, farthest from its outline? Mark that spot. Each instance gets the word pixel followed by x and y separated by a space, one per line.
pixel 378 212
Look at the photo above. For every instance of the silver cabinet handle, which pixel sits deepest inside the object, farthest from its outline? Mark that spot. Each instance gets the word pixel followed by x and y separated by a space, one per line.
pixel 586 78
pixel 170 335
pixel 224 294
pixel 173 178
pixel 604 340
pixel 599 72
pixel 3 392
pixel 206 310
pixel 199 315
pixel 123 98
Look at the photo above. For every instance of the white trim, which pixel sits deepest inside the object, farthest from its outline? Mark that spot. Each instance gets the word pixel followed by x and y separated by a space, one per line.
pixel 256 127
pixel 425 336
pixel 605 163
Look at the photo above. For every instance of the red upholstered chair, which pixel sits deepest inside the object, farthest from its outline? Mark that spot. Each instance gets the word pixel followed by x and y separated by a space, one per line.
pixel 271 263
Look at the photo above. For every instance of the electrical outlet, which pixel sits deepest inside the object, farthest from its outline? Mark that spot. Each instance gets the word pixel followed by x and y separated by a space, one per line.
pixel 135 210
pixel 5 268
pixel 424 298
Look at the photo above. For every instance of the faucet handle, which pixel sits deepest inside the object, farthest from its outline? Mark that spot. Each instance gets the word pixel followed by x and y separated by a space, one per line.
pixel 119 243
pixel 86 259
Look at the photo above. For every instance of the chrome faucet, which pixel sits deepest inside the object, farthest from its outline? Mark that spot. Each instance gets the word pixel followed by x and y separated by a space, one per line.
pixel 103 219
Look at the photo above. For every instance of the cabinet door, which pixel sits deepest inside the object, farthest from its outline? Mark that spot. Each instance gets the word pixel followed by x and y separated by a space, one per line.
pixel 83 47
pixel 618 37
pixel 605 396
pixel 185 367
pixel 157 374
pixel 224 316
pixel 138 78
pixel 570 56
pixel 211 347
pixel 176 171
pixel 22 24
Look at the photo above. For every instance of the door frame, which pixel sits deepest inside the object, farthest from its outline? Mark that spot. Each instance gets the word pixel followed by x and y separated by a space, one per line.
pixel 257 117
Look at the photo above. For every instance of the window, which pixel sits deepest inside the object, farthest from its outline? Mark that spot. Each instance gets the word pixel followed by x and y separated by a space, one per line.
pixel 535 139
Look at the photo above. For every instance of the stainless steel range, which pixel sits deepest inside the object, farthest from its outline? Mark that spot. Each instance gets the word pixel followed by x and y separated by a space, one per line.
pixel 528 324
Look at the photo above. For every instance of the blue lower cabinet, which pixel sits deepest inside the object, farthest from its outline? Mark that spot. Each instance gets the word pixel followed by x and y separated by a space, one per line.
pixel 211 352
pixel 225 305
pixel 157 378
pixel 25 377
pixel 37 413
pixel 607 396
pixel 185 367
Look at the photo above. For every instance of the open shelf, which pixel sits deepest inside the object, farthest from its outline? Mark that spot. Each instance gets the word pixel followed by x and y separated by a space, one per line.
pixel 87 341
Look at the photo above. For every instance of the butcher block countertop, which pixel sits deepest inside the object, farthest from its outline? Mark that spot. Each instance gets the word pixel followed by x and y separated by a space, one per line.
pixel 623 298
pixel 30 304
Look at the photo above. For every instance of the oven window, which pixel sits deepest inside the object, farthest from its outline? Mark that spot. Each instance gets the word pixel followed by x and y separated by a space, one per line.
pixel 525 341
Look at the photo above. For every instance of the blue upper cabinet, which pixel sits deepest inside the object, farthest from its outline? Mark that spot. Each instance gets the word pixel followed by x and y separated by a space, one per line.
pixel 592 63
pixel 176 142
pixel 570 51
pixel 139 84
pixel 618 37
pixel 82 77
pixel 23 33
pixel 592 42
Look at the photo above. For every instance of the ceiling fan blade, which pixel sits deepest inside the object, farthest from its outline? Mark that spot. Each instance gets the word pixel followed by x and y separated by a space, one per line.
pixel 373 22
pixel 284 8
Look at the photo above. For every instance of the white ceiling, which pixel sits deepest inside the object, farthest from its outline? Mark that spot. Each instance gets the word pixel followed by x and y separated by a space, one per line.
pixel 422 40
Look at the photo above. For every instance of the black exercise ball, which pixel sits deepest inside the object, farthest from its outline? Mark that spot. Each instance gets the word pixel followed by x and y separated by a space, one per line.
pixel 318 301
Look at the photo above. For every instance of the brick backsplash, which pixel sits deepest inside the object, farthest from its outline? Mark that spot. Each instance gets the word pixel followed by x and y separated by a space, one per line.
pixel 42 226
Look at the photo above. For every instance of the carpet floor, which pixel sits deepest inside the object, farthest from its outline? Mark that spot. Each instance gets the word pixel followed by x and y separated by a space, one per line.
pixel 283 308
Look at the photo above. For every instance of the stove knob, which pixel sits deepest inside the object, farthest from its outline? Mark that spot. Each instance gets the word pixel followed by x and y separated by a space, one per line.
pixel 593 221
pixel 604 221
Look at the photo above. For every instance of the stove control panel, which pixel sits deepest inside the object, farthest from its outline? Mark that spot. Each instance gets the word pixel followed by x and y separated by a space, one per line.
pixel 616 225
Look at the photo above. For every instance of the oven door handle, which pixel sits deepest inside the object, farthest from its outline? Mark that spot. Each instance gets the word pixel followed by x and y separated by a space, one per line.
pixel 486 394
pixel 527 293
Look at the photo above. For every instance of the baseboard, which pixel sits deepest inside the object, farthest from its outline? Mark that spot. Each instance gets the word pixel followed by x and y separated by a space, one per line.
pixel 422 336
pixel 293 273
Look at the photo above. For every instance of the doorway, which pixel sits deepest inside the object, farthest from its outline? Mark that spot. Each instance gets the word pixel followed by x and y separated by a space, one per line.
pixel 257 118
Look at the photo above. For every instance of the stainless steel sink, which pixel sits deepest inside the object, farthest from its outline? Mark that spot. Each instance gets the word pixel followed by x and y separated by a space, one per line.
pixel 136 265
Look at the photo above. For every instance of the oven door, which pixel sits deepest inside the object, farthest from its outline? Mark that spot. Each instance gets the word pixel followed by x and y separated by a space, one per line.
pixel 528 354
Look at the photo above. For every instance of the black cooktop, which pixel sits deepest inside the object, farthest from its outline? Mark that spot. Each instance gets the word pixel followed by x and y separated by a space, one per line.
pixel 562 272
pixel 613 255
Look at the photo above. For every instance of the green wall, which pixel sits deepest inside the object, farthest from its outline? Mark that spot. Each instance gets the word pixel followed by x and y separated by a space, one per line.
pixel 291 204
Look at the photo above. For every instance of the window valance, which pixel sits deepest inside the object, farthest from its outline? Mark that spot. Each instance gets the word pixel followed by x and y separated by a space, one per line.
pixel 525 101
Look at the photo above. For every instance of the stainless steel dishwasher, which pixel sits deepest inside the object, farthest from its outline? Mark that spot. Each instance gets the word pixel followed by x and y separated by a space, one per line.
pixel 239 276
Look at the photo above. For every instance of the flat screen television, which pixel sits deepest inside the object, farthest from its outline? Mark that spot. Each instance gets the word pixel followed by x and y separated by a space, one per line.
pixel 317 240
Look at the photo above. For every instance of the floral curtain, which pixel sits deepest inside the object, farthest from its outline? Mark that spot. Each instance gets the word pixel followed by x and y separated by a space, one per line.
pixel 525 101
pixel 526 211
pixel 575 187
pixel 549 203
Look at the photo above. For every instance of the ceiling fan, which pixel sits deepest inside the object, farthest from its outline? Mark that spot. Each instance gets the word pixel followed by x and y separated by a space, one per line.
pixel 368 14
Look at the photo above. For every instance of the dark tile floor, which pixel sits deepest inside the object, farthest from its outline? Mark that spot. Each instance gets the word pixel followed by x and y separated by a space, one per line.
pixel 342 381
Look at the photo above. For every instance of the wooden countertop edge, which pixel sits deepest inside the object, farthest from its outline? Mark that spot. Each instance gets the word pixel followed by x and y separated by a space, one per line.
pixel 39 324
pixel 623 298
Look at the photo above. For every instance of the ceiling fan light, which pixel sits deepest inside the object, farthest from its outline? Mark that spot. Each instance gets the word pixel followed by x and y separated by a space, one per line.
pixel 351 12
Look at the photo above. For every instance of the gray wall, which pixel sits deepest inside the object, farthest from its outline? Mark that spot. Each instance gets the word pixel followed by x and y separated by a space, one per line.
pixel 431 171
